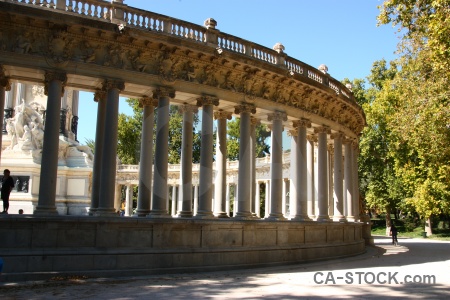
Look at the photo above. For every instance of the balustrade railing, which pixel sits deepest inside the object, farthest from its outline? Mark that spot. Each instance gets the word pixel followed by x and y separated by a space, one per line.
pixel 145 20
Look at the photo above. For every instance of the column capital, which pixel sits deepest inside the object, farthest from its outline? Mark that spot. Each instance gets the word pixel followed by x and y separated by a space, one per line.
pixel 337 135
pixel 109 84
pixel 147 101
pixel 301 123
pixel 207 100
pixel 163 91
pixel 187 108
pixel 312 138
pixel 254 121
pixel 293 132
pixel 220 114
pixel 330 147
pixel 4 80
pixel 51 75
pixel 355 144
pixel 322 129
pixel 347 140
pixel 245 108
pixel 99 95
pixel 278 115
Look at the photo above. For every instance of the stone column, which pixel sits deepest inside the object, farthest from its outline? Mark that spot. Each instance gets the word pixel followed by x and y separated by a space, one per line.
pixel 227 197
pixel 267 200
pixel 276 165
pixel 355 151
pixel 4 86
pixel 160 169
pixel 185 193
pixel 338 194
pixel 195 199
pixel 322 183
pixel 206 157
pixel 54 89
pixel 254 200
pixel 310 176
pixel 100 98
pixel 117 197
pixel 220 192
pixel 283 198
pixel 245 156
pixel 348 170
pixel 299 172
pixel 74 123
pixel 146 157
pixel 257 200
pixel 128 201
pixel 330 169
pixel 109 153
pixel 174 200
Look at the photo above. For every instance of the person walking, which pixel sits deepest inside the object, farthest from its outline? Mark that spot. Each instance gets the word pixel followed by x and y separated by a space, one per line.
pixel 7 186
pixel 393 233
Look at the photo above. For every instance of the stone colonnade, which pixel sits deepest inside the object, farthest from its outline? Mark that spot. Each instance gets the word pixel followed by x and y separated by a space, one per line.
pixel 322 190
pixel 311 184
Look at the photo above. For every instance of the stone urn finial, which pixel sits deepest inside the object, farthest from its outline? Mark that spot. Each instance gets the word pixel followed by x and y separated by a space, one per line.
pixel 210 23
pixel 279 47
pixel 349 86
pixel 323 68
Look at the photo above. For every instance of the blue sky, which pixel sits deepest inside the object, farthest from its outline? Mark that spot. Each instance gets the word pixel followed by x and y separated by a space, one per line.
pixel 339 33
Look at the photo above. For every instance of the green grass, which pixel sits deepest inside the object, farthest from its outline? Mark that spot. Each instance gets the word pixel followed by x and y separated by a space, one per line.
pixel 379 228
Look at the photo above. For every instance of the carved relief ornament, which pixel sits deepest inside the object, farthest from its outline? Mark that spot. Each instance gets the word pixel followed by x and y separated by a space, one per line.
pixel 220 114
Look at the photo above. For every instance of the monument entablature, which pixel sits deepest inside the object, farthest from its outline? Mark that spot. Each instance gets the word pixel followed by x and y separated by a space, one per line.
pixel 147 50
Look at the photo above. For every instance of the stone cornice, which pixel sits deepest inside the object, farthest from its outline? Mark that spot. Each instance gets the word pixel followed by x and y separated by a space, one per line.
pixel 86 46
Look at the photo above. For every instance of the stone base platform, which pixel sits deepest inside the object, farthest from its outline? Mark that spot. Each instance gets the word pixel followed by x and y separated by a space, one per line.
pixel 35 248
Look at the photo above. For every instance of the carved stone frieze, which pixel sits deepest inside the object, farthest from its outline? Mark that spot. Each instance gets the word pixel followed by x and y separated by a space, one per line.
pixel 172 61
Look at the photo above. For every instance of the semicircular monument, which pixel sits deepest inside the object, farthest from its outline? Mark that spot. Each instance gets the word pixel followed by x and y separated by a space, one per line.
pixel 182 219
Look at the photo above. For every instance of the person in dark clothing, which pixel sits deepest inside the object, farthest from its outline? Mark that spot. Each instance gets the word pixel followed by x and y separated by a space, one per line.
pixel 7 186
pixel 394 234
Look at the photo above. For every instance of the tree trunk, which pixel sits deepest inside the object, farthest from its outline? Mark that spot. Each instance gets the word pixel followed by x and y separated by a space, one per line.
pixel 388 220
pixel 428 228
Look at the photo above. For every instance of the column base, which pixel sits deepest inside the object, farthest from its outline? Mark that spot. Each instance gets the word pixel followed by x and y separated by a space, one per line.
pixel 45 211
pixel 243 216
pixel 324 218
pixel 185 214
pixel 159 214
pixel 106 212
pixel 340 219
pixel 141 213
pixel 276 217
pixel 351 219
pixel 301 218
pixel 221 215
pixel 204 215
pixel 92 211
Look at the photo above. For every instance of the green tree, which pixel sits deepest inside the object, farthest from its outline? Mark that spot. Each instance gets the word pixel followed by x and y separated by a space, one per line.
pixel 129 135
pixel 233 132
pixel 420 122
